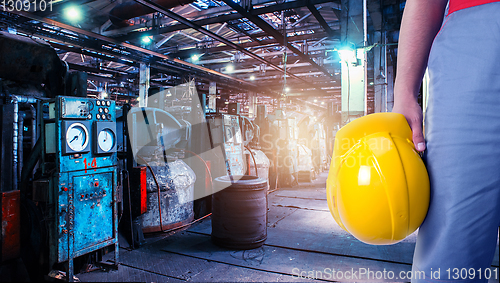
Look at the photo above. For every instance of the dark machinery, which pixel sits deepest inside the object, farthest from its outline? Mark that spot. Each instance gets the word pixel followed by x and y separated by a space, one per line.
pixel 58 162
pixel 167 191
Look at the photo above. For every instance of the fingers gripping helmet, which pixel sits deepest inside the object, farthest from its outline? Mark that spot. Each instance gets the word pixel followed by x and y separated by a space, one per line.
pixel 377 187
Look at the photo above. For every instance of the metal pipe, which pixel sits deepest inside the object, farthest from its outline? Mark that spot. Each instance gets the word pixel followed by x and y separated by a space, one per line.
pixel 221 27
pixel 303 18
pixel 189 36
pixel 365 61
pixel 20 149
pixel 164 40
pixel 15 132
pixel 34 133
pixel 15 100
pixel 33 126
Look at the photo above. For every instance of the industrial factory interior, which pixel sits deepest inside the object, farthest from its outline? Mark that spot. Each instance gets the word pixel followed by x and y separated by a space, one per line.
pixel 187 140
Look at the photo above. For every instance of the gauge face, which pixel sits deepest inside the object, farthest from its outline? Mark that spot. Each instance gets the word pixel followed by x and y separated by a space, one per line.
pixel 77 137
pixel 106 140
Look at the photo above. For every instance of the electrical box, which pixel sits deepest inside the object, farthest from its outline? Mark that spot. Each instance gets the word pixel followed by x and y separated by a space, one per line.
pixel 233 108
pixel 80 136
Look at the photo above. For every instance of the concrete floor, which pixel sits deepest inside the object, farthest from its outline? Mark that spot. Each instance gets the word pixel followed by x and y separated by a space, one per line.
pixel 304 244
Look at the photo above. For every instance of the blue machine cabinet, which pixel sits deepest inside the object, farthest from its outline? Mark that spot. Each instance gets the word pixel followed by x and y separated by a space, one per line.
pixel 80 158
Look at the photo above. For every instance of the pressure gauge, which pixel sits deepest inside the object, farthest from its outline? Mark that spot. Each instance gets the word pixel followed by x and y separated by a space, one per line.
pixel 76 137
pixel 106 140
pixel 104 137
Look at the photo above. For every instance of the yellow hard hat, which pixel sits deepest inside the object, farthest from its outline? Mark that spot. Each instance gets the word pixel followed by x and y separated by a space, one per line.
pixel 377 187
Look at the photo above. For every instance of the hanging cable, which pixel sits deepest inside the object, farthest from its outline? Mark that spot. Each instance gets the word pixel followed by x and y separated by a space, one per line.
pixel 254 162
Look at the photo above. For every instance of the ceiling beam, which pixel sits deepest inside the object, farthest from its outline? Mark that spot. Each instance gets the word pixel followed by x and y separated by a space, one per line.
pixel 274 33
pixel 127 45
pixel 198 28
pixel 186 53
pixel 223 18
pixel 320 19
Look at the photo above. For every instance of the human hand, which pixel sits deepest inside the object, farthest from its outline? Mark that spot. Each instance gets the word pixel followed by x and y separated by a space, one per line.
pixel 413 114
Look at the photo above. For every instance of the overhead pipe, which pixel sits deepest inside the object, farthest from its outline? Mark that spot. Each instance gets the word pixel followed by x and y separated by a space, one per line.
pixel 20 148
pixel 33 126
pixel 120 14
pixel 15 133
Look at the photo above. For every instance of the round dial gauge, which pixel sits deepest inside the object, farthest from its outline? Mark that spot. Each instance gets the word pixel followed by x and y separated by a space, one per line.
pixel 77 136
pixel 106 140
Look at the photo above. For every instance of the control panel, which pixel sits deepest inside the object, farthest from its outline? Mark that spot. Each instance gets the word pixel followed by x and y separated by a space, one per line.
pixel 80 135
pixel 87 131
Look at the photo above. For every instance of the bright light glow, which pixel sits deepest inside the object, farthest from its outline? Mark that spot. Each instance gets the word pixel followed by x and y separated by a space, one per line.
pixel 73 14
pixel 146 39
pixel 287 89
pixel 347 55
pixel 364 175
pixel 315 100
pixel 252 77
pixel 195 57
pixel 104 95
pixel 322 103
pixel 229 68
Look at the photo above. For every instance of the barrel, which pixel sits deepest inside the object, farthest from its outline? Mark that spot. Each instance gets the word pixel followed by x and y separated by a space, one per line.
pixel 239 212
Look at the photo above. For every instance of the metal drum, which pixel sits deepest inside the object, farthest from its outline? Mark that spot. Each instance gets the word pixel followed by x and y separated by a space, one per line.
pixel 239 212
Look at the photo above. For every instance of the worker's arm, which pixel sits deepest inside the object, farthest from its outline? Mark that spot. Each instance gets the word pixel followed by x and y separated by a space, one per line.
pixel 421 22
